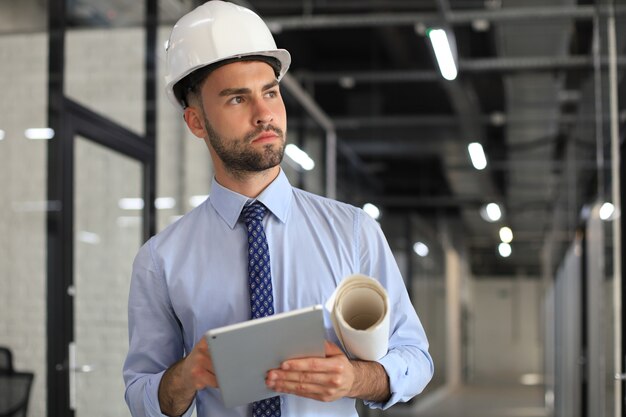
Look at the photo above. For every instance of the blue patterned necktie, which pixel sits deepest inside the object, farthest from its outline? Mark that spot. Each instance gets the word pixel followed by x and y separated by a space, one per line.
pixel 260 280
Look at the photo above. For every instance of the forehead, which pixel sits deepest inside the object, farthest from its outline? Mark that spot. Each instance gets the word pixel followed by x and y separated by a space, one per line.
pixel 240 74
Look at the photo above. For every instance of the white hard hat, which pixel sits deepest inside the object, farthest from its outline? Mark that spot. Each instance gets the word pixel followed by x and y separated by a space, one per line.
pixel 213 32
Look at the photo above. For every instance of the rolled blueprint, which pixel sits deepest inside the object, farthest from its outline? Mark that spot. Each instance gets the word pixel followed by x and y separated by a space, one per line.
pixel 359 309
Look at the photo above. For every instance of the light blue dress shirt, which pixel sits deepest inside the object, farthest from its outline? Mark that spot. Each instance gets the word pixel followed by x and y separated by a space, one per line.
pixel 192 277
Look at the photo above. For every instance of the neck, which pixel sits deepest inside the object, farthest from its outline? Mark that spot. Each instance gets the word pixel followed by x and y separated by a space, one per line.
pixel 250 184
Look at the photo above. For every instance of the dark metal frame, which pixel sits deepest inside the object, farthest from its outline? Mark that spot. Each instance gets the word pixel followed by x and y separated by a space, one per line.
pixel 68 119
pixel 622 191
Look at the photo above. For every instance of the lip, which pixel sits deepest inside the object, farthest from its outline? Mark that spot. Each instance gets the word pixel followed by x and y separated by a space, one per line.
pixel 265 137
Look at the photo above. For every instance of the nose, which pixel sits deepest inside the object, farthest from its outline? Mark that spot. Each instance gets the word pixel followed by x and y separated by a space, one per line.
pixel 263 114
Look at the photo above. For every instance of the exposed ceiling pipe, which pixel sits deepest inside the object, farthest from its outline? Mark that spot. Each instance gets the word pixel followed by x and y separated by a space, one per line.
pixel 511 64
pixel 461 17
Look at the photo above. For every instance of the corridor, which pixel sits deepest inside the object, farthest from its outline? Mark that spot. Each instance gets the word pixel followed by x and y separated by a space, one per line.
pixel 477 400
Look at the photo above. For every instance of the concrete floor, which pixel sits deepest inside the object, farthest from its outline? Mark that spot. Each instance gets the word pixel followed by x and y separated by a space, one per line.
pixel 476 401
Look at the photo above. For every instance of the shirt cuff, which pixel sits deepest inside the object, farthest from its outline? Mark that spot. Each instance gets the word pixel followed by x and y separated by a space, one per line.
pixel 398 371
pixel 151 399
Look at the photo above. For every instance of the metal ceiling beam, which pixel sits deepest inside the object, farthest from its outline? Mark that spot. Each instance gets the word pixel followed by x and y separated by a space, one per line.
pixel 398 148
pixel 470 66
pixel 461 17
pixel 445 120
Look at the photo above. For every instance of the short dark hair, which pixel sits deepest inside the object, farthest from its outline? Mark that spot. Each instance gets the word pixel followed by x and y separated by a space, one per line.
pixel 191 83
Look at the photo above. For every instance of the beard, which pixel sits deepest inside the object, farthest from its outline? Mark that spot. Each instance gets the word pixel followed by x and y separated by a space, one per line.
pixel 239 158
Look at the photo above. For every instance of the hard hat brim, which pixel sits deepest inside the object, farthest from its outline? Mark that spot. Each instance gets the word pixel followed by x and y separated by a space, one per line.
pixel 281 55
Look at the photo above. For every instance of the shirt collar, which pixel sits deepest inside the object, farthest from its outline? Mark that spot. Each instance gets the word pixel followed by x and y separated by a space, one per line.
pixel 228 204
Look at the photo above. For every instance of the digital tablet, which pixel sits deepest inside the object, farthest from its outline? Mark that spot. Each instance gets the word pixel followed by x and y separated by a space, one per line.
pixel 242 353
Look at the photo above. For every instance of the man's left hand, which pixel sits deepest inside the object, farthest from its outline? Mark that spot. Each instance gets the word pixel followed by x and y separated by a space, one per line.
pixel 322 379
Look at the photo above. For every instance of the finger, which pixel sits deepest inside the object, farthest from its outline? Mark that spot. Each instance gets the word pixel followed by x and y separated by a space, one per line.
pixel 329 364
pixel 315 378
pixel 314 391
pixel 331 349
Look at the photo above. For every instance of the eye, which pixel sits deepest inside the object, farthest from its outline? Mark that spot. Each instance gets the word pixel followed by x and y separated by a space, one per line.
pixel 272 94
pixel 236 100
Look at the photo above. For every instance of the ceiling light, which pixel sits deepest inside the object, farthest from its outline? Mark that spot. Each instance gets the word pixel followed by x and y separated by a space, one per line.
pixel 196 200
pixel 299 157
pixel 347 82
pixel 491 212
pixel 480 25
pixel 606 211
pixel 443 53
pixel 165 203
pixel 420 248
pixel 2 134
pixel 130 203
pixel 504 249
pixel 477 155
pixel 420 28
pixel 372 210
pixel 506 234
pixel 497 118
pixel 39 133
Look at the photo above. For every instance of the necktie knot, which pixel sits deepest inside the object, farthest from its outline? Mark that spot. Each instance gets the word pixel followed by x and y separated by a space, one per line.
pixel 255 211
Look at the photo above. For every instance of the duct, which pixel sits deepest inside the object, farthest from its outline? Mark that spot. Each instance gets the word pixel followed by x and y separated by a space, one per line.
pixel 461 180
pixel 534 95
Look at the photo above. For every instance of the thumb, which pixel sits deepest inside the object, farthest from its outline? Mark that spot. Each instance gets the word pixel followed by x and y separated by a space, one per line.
pixel 332 349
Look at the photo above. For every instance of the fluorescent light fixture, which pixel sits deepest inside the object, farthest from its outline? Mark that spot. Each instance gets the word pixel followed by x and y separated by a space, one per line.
pixel 491 212
pixel 44 133
pixel 165 203
pixel 130 203
pixel 606 211
pixel 477 155
pixel 506 234
pixel 300 157
pixel 420 248
pixel 196 200
pixel 372 210
pixel 443 53
pixel 2 134
pixel 504 249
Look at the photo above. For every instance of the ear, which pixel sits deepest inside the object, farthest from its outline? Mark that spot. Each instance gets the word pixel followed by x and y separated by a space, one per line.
pixel 195 121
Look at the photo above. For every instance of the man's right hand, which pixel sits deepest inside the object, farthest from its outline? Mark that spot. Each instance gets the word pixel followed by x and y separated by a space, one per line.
pixel 181 381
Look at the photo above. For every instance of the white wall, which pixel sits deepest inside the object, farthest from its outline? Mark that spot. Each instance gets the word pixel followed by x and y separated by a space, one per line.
pixel 504 328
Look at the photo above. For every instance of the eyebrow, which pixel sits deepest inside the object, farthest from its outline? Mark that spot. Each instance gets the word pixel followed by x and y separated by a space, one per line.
pixel 244 90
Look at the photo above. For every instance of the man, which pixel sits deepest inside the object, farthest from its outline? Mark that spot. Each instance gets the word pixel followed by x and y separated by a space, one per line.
pixel 223 71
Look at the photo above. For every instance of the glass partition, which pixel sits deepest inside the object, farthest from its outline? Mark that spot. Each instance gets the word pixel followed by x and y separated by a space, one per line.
pixel 105 60
pixel 107 234
pixel 23 204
